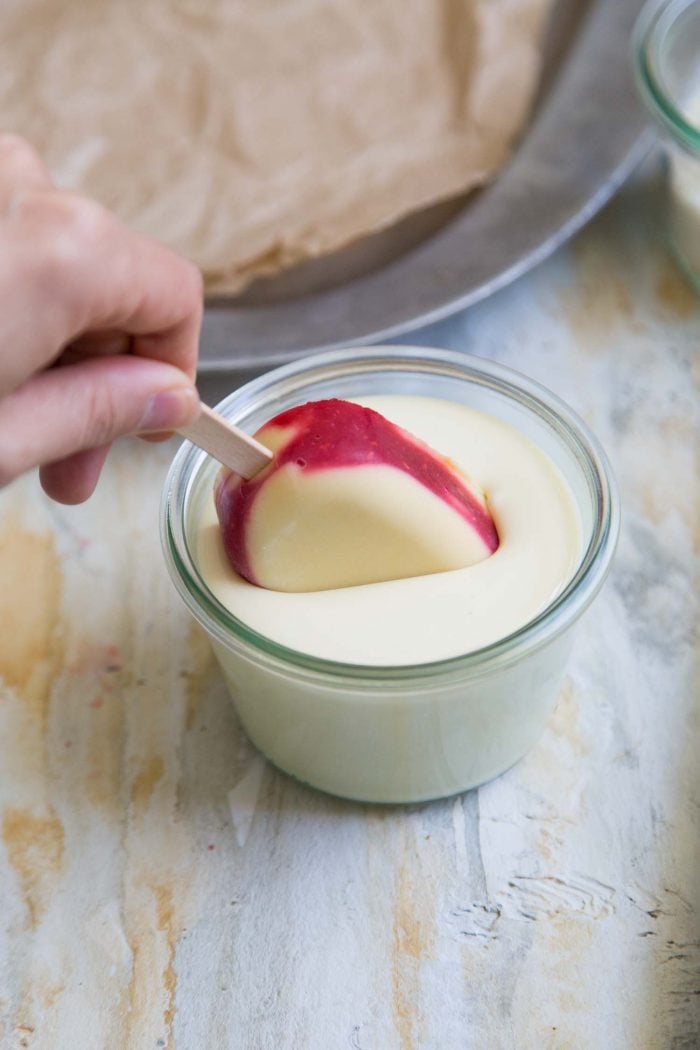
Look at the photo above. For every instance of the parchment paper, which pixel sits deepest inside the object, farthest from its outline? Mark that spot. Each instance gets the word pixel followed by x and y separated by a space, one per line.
pixel 253 134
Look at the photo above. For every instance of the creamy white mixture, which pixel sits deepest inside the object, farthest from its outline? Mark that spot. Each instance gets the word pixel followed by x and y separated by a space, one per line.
pixel 447 614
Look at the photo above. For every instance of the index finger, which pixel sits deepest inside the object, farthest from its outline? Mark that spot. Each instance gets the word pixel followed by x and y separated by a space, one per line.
pixel 94 273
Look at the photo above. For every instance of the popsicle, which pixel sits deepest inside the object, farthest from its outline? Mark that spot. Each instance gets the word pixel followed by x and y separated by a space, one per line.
pixel 347 499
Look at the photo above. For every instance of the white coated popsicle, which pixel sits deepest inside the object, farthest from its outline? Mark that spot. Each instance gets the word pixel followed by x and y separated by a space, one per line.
pixel 349 499
pixel 445 614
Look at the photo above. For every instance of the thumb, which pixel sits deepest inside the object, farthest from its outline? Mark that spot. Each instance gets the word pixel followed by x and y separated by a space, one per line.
pixel 87 405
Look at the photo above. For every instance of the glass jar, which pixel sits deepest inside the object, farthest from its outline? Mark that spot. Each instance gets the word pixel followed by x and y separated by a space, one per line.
pixel 408 733
pixel 667 66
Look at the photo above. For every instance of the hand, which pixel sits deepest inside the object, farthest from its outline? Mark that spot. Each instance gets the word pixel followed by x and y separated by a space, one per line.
pixel 99 329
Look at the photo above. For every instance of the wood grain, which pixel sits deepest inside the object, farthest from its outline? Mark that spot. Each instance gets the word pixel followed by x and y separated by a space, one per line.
pixel 226 443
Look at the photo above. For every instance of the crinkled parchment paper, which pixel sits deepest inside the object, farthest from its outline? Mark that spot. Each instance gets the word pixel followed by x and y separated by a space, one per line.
pixel 253 134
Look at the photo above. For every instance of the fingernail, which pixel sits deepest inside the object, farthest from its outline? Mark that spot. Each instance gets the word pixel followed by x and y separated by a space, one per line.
pixel 169 409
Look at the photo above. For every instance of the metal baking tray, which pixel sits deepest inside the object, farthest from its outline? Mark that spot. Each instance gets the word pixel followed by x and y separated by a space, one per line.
pixel 586 134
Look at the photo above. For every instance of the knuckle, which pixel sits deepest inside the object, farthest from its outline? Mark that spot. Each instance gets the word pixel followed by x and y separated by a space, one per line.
pixel 64 232
pixel 26 208
pixel 19 153
pixel 195 283
pixel 192 293
pixel 75 223
pixel 101 417
pixel 65 223
pixel 189 284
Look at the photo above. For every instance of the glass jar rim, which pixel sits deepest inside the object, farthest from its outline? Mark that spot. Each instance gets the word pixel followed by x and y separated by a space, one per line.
pixel 566 607
pixel 655 20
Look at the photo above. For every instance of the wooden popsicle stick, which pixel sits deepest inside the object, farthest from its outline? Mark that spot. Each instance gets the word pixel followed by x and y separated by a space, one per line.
pixel 236 450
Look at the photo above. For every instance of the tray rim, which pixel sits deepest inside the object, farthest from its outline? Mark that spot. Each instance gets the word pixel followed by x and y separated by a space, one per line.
pixel 260 337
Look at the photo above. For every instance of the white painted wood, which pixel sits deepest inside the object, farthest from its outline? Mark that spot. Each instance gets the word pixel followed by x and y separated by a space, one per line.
pixel 160 885
pixel 226 443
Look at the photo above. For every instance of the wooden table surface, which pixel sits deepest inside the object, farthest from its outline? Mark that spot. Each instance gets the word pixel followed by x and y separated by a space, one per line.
pixel 162 886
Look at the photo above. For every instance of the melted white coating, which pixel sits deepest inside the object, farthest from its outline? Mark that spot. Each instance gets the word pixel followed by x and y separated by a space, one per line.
pixel 446 614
